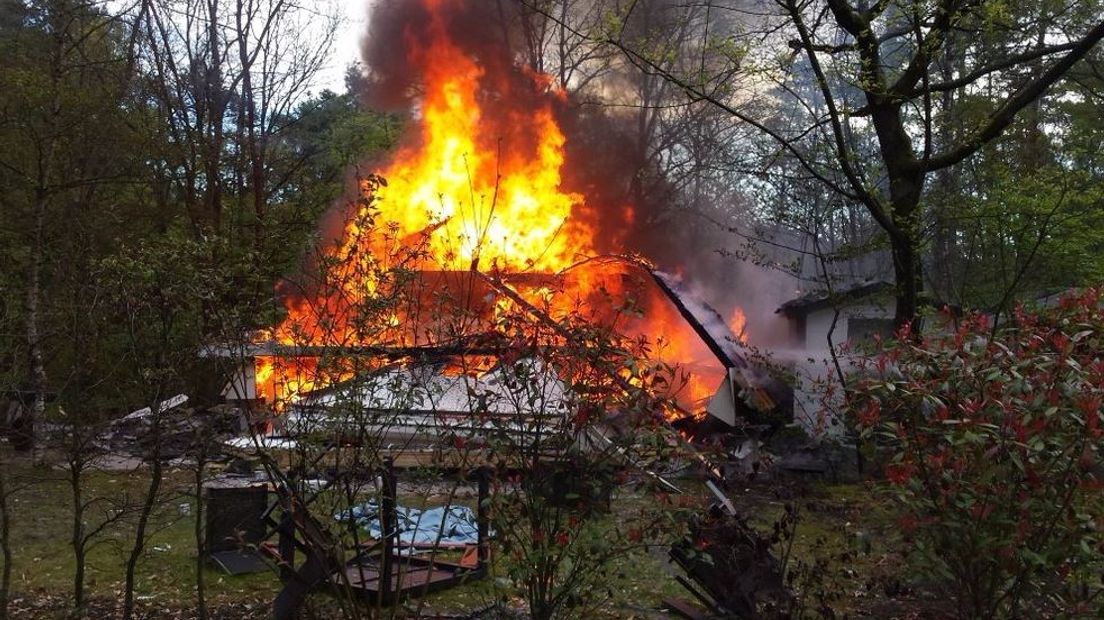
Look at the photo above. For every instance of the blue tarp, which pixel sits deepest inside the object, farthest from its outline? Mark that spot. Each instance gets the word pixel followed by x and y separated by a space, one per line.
pixel 447 524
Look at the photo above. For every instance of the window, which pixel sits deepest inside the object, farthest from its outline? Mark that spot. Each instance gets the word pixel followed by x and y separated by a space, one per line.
pixel 863 330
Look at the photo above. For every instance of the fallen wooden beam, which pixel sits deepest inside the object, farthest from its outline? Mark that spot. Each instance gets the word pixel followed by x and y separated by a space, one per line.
pixel 684 609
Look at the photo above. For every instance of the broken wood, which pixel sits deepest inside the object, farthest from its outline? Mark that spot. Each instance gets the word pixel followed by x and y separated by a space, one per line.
pixel 684 609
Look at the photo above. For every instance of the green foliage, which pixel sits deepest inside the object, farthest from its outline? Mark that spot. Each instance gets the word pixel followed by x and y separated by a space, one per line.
pixel 158 292
pixel 329 136
pixel 72 146
pixel 1027 213
pixel 992 444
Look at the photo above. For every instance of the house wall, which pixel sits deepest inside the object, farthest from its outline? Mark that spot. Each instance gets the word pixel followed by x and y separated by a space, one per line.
pixel 819 322
pixel 242 384
pixel 809 408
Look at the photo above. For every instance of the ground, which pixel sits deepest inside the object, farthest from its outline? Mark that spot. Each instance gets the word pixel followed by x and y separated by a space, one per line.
pixel 845 540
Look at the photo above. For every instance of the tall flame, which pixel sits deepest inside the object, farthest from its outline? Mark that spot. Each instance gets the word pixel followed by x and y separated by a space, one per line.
pixel 484 182
pixel 477 186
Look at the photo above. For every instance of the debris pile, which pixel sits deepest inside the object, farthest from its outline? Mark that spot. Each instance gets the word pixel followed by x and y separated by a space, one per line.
pixel 180 428
pixel 729 565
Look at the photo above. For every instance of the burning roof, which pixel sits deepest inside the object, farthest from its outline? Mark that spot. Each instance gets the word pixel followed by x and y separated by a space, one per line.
pixel 747 391
pixel 526 387
pixel 706 321
pixel 466 227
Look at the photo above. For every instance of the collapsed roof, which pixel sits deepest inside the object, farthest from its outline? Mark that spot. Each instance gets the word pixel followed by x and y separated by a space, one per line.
pixel 527 386
pixel 748 391
pixel 743 391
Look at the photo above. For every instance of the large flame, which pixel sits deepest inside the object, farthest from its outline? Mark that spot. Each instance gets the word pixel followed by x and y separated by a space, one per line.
pixel 478 186
pixel 483 181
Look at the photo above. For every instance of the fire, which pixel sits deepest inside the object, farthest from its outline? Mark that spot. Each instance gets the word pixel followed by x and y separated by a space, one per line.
pixel 738 324
pixel 262 374
pixel 680 346
pixel 476 187
pixel 483 180
pixel 283 379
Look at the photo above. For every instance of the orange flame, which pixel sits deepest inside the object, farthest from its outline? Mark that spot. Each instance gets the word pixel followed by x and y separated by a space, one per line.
pixel 485 183
pixel 477 187
pixel 738 324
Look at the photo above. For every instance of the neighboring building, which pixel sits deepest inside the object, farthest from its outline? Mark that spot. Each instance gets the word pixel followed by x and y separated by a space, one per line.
pixel 865 310
pixel 855 315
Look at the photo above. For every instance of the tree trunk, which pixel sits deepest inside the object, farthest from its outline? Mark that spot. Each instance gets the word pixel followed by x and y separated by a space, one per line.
pixel 46 155
pixel 201 549
pixel 253 146
pixel 906 184
pixel 217 109
pixel 32 426
pixel 148 504
pixel 1034 152
pixel 5 541
pixel 906 268
pixel 943 233
pixel 77 536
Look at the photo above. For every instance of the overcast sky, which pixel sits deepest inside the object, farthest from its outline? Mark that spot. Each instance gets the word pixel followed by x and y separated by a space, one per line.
pixel 347 44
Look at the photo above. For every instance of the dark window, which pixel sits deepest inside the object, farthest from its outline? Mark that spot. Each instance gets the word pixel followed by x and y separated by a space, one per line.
pixel 861 330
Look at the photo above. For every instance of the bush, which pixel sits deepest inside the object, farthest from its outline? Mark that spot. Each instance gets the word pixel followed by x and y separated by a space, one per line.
pixel 991 440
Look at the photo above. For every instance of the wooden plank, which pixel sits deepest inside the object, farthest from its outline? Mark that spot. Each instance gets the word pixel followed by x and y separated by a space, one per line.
pixel 684 609
pixel 406 577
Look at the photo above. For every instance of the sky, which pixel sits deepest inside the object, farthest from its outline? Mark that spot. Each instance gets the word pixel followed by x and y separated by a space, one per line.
pixel 346 49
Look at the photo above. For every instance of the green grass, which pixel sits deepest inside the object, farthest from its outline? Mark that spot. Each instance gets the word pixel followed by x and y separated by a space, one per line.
pixel 833 517
pixel 43 556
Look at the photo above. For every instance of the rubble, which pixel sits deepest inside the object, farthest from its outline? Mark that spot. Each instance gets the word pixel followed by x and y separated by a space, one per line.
pixel 729 565
pixel 180 429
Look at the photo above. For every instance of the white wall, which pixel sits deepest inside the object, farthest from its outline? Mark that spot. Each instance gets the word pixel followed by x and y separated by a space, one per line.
pixel 242 384
pixel 808 405
pixel 819 322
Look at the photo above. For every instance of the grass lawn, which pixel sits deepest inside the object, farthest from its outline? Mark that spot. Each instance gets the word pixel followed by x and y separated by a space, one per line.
pixel 43 556
pixel 836 521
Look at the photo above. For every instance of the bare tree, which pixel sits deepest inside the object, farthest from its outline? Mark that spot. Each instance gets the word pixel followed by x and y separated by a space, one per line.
pixel 561 47
pixel 226 76
pixel 875 66
pixel 201 451
pixel 92 516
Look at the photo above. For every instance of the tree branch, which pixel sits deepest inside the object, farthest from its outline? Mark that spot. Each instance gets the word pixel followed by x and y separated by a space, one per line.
pixel 1006 113
pixel 1006 63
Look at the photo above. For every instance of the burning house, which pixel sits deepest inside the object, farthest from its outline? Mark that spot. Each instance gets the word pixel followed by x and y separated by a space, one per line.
pixel 472 237
pixel 439 382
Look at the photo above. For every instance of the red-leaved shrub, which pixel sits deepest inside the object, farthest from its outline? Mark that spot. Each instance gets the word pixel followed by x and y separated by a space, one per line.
pixel 991 444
